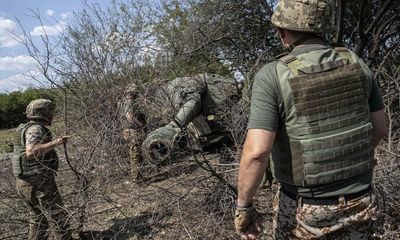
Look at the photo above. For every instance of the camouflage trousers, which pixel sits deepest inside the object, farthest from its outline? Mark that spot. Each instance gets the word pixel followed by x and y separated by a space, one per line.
pixel 135 139
pixel 136 158
pixel 350 219
pixel 46 208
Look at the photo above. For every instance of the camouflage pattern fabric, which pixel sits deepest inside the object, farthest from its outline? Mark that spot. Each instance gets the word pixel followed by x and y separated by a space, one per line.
pixel 37 187
pixel 43 165
pixel 130 106
pixel 136 158
pixel 184 89
pixel 347 220
pixel 305 15
pixel 221 93
pixel 211 90
pixel 40 109
pixel 46 208
pixel 188 100
pixel 36 134
pixel 133 122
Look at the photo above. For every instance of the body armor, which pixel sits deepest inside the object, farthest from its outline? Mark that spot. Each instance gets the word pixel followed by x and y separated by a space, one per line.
pixel 23 167
pixel 328 128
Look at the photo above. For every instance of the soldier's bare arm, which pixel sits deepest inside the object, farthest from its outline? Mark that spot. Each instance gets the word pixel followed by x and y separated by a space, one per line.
pixel 253 163
pixel 35 150
pixel 378 120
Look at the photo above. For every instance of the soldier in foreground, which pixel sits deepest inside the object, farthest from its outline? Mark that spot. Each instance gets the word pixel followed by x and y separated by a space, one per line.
pixel 35 165
pixel 194 102
pixel 319 111
pixel 133 123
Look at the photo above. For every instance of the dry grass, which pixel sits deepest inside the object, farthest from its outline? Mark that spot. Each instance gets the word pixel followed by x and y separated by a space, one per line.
pixel 6 138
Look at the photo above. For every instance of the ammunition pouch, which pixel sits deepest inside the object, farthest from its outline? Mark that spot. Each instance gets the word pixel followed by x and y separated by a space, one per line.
pixel 16 165
pixel 199 127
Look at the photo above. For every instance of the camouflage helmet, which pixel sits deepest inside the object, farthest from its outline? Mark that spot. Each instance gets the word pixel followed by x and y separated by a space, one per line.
pixel 40 109
pixel 221 90
pixel 315 16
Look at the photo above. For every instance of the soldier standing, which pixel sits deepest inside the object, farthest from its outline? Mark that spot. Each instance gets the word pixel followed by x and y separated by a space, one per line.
pixel 319 111
pixel 35 164
pixel 133 123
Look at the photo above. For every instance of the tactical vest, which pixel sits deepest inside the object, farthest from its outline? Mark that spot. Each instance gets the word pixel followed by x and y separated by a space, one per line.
pixel 329 133
pixel 22 167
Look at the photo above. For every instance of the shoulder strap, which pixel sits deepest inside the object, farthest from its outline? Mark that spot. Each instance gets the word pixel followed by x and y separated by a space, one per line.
pixel 344 53
pixel 324 67
pixel 292 63
pixel 295 65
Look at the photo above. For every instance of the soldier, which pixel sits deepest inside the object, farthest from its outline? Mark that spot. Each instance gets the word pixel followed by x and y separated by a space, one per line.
pixel 133 123
pixel 195 102
pixel 319 111
pixel 35 164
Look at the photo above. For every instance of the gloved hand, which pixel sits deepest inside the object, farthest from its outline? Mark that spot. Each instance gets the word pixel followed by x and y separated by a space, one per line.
pixel 247 222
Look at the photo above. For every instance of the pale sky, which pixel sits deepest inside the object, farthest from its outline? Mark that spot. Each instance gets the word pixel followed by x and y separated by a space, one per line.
pixel 15 63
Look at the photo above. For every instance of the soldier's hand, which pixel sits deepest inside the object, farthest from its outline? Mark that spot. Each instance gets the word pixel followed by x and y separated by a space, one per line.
pixel 61 140
pixel 247 222
pixel 127 134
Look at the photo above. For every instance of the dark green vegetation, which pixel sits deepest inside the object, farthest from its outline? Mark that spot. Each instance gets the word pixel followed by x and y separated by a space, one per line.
pixel 6 140
pixel 13 106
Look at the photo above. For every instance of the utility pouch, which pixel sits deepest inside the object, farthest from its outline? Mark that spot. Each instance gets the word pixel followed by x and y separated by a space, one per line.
pixel 16 164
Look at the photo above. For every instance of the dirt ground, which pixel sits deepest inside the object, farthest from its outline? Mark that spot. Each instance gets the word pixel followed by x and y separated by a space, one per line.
pixel 179 201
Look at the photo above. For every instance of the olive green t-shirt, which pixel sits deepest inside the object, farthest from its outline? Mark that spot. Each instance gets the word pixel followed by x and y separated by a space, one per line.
pixel 267 112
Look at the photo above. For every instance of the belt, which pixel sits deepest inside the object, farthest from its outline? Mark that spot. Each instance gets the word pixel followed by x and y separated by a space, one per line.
pixel 332 200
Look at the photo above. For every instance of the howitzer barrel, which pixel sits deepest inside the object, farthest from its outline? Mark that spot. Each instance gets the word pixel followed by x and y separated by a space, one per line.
pixel 160 143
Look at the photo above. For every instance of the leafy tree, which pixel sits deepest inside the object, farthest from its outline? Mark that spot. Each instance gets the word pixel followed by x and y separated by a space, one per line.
pixel 13 105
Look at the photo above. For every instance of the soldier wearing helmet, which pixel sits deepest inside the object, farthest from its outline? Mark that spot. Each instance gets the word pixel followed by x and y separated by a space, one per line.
pixel 133 124
pixel 319 113
pixel 192 102
pixel 35 164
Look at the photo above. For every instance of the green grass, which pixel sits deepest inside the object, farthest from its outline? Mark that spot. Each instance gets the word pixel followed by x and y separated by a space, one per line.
pixel 6 137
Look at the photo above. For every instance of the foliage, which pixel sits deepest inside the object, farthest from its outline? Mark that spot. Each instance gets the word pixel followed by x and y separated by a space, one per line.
pixel 202 35
pixel 13 105
pixel 145 43
pixel 6 140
